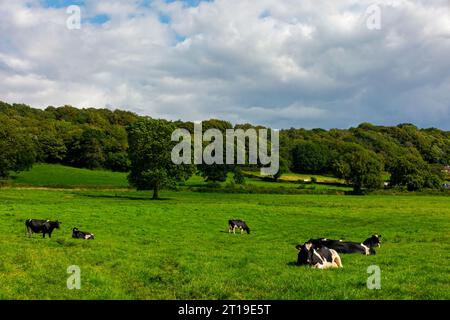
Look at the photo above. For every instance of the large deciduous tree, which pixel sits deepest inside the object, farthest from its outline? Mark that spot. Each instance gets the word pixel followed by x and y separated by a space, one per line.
pixel 363 169
pixel 411 171
pixel 150 148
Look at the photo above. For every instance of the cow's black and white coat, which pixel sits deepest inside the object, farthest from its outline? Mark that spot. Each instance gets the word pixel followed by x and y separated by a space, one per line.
pixel 317 256
pixel 77 234
pixel 373 241
pixel 366 247
pixel 234 224
pixel 41 226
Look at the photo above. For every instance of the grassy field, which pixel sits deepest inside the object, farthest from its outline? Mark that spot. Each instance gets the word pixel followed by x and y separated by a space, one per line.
pixel 177 248
pixel 58 176
pixel 53 175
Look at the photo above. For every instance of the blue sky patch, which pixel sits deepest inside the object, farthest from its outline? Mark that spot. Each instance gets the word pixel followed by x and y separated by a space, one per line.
pixel 98 19
pixel 61 3
pixel 189 3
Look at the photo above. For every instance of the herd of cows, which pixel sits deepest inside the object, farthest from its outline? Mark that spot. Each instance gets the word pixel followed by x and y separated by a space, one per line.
pixel 318 253
pixel 321 253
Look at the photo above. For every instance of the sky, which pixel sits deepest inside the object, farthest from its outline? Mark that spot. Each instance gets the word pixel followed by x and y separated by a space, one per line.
pixel 289 63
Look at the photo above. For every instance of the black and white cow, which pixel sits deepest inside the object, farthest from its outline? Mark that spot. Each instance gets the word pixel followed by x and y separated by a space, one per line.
pixel 318 256
pixel 373 241
pixel 77 234
pixel 234 224
pixel 41 226
pixel 366 248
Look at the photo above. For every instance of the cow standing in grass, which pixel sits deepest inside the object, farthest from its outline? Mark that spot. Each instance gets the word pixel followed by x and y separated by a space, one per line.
pixel 41 226
pixel 238 224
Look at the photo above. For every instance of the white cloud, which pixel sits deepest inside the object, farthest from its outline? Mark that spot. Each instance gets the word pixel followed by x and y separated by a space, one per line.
pixel 281 63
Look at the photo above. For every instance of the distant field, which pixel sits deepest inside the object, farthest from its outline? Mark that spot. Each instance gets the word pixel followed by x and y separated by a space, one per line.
pixel 177 248
pixel 294 177
pixel 58 176
pixel 53 175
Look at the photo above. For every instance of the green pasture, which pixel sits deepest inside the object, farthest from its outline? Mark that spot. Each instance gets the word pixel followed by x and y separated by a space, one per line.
pixel 178 247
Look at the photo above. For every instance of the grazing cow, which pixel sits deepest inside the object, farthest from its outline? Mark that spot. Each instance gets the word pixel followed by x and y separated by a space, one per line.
pixel 340 246
pixel 317 256
pixel 41 226
pixel 77 234
pixel 237 224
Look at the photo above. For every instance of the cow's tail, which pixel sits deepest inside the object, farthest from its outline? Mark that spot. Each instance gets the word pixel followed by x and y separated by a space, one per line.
pixel 247 229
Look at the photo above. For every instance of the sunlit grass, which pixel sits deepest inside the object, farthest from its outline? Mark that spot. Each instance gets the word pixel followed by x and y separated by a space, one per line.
pixel 178 248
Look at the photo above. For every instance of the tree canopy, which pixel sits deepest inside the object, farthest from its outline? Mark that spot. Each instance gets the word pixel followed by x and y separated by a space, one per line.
pixel 150 148
pixel 97 138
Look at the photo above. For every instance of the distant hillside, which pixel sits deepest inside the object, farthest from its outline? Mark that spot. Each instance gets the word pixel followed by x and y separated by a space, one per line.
pixel 97 138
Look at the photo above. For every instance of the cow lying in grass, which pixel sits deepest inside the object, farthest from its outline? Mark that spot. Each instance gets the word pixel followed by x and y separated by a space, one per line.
pixel 238 224
pixel 41 226
pixel 366 248
pixel 317 256
pixel 373 241
pixel 77 234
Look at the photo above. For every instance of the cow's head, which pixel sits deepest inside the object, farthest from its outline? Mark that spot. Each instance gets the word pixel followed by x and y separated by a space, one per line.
pixel 304 253
pixel 373 241
pixel 55 224
pixel 377 239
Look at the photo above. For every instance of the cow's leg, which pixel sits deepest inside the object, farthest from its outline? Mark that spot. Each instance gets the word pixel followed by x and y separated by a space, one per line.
pixel 43 234
pixel 234 230
pixel 29 231
pixel 229 228
pixel 242 230
pixel 366 250
pixel 50 234
pixel 336 259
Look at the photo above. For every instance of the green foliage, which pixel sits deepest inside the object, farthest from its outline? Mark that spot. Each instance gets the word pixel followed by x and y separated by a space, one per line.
pixel 310 157
pixel 362 168
pixel 118 161
pixel 238 176
pixel 149 150
pixel 51 147
pixel 97 138
pixel 88 150
pixel 17 151
pixel 214 172
pixel 412 172
pixel 86 138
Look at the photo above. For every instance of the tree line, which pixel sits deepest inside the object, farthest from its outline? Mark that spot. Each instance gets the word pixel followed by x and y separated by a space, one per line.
pixel 124 141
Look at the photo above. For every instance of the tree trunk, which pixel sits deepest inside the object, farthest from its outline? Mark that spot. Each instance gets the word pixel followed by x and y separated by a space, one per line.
pixel 155 193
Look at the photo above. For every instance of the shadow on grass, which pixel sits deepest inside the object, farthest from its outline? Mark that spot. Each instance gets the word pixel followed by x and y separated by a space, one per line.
pixel 122 197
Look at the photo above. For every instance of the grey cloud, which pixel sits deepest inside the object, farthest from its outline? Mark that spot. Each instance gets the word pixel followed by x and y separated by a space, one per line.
pixel 303 64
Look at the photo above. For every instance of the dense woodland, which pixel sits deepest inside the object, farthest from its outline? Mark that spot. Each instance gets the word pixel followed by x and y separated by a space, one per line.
pixel 99 138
